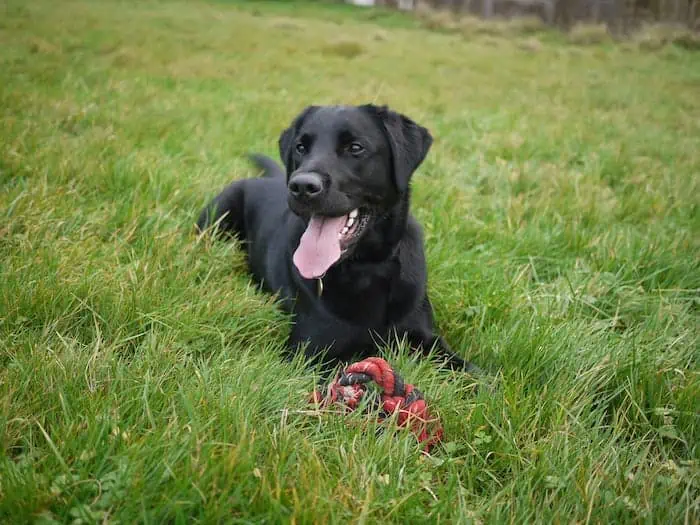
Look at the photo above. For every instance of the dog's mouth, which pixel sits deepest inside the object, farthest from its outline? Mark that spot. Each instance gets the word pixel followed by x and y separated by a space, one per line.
pixel 326 240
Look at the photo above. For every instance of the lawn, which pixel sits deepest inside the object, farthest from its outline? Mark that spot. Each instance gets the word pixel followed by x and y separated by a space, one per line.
pixel 141 377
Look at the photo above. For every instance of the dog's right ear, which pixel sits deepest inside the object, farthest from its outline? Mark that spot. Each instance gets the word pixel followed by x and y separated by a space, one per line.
pixel 286 140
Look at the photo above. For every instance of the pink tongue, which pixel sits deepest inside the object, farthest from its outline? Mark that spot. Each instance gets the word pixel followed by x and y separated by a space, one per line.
pixel 319 247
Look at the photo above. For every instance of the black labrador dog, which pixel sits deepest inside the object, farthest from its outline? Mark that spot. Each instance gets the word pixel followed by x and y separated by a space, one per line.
pixel 334 236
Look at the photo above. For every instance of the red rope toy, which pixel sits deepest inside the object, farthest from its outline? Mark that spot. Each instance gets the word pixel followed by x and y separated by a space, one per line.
pixel 397 396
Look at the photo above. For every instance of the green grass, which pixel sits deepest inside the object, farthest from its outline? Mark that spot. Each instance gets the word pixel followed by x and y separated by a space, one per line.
pixel 140 371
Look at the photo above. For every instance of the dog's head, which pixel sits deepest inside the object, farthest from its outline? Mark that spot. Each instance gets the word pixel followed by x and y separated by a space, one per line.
pixel 346 166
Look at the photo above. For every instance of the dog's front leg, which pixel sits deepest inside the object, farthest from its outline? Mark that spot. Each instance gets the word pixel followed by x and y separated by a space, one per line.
pixel 454 361
pixel 424 344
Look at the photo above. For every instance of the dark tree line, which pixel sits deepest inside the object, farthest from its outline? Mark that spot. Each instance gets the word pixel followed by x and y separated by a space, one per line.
pixel 620 15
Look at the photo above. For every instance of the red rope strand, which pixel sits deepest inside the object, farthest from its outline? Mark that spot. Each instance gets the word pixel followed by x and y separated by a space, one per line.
pixel 396 397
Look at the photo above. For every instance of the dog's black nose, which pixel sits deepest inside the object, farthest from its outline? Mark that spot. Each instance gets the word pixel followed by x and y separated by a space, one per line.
pixel 306 185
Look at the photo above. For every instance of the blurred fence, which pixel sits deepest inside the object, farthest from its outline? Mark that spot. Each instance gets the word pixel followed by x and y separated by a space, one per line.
pixel 618 15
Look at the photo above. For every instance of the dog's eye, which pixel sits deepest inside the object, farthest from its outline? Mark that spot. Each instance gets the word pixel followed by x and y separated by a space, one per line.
pixel 356 148
pixel 301 149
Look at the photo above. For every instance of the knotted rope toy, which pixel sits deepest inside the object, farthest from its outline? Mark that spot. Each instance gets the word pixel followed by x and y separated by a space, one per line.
pixel 396 397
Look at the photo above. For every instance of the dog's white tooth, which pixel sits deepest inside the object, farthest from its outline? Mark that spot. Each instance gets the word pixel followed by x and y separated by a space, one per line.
pixel 350 222
pixel 354 213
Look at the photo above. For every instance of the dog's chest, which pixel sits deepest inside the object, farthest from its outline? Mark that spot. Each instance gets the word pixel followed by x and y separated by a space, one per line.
pixel 358 297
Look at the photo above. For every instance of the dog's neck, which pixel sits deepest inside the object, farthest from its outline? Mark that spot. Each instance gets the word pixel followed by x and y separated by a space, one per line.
pixel 382 239
pixel 373 266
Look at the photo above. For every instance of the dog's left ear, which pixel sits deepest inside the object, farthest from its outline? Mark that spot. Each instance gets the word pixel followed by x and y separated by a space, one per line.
pixel 286 139
pixel 409 142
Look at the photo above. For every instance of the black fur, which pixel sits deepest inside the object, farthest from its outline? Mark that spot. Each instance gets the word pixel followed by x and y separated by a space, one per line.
pixel 377 290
